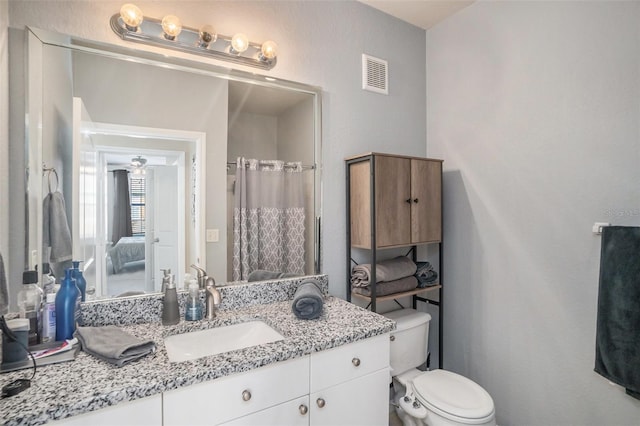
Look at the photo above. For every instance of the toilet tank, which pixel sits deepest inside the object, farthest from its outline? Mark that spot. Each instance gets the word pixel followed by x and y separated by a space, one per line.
pixel 409 340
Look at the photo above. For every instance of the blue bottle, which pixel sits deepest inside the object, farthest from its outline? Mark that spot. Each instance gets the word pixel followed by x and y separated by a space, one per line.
pixel 67 307
pixel 80 281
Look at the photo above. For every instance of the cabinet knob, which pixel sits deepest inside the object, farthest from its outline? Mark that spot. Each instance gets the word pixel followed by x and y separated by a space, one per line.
pixel 392 338
pixel 303 409
pixel 246 395
pixel 415 200
pixel 356 362
pixel 320 402
pixel 408 200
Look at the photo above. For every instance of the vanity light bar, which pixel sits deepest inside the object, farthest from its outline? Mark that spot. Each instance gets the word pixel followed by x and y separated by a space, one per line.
pixel 169 33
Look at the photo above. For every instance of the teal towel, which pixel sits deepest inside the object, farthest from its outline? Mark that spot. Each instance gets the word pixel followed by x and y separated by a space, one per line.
pixel 618 322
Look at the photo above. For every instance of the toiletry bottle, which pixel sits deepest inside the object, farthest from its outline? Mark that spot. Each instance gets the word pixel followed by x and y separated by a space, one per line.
pixel 80 281
pixel 48 280
pixel 193 310
pixel 67 307
pixel 30 305
pixel 170 310
pixel 49 318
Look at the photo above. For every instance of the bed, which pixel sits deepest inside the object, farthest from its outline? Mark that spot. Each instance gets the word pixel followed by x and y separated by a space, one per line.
pixel 126 250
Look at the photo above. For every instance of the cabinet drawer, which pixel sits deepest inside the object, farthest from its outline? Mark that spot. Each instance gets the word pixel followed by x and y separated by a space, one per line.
pixel 144 412
pixel 349 361
pixel 291 413
pixel 222 400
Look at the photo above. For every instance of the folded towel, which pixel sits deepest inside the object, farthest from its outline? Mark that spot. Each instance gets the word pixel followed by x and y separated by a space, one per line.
pixel 618 319
pixel 308 300
pixel 111 344
pixel 389 287
pixel 425 274
pixel 262 275
pixel 56 232
pixel 4 289
pixel 387 270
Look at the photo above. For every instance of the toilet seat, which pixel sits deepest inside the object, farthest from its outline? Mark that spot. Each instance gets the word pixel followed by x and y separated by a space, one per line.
pixel 453 397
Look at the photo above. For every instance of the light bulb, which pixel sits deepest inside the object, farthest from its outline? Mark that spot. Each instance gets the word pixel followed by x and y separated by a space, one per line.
pixel 131 16
pixel 207 35
pixel 269 50
pixel 239 43
pixel 171 26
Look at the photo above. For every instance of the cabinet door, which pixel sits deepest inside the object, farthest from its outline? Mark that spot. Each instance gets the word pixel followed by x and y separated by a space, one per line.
pixel 362 401
pixel 146 412
pixel 393 201
pixel 228 398
pixel 426 201
pixel 292 413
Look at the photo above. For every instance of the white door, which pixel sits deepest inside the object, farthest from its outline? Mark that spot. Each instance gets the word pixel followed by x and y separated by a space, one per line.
pixel 166 221
pixel 86 224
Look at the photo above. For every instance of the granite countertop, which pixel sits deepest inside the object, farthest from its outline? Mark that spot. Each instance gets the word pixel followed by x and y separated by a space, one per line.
pixel 87 384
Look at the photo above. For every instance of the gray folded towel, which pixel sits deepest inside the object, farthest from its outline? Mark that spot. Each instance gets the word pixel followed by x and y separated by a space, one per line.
pixel 425 274
pixel 387 270
pixel 308 300
pixel 56 232
pixel 262 275
pixel 389 287
pixel 111 344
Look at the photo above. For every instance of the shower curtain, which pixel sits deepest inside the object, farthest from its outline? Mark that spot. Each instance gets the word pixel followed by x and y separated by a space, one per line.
pixel 121 206
pixel 268 217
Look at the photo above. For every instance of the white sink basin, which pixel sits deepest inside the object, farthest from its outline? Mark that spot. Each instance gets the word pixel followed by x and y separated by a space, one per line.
pixel 197 344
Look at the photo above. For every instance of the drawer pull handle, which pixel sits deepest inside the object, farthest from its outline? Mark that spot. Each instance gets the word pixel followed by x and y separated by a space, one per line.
pixel 246 395
pixel 320 402
pixel 303 409
pixel 356 362
pixel 392 338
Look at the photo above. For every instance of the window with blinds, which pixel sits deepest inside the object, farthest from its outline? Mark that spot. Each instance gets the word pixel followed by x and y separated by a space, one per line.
pixel 137 190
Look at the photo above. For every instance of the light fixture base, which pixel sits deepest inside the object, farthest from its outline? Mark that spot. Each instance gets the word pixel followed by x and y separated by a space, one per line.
pixel 150 32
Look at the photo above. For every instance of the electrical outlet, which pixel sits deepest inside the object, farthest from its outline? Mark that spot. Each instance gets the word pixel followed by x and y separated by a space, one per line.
pixel 213 235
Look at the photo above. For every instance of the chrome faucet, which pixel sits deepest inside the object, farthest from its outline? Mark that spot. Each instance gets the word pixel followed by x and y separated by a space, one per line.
pixel 213 297
pixel 202 275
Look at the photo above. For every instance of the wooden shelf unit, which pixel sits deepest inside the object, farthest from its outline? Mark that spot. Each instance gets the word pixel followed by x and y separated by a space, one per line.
pixel 394 201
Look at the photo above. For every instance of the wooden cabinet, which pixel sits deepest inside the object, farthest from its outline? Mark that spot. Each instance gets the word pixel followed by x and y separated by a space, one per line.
pixel 402 195
pixel 394 201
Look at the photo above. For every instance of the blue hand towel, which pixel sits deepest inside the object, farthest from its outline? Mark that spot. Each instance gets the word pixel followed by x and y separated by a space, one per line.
pixel 308 300
pixel 618 321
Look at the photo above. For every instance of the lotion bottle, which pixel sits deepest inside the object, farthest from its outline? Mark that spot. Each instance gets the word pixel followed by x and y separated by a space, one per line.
pixel 170 310
pixel 67 307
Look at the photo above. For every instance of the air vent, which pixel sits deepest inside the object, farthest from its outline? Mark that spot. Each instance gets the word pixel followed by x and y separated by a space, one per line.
pixel 375 76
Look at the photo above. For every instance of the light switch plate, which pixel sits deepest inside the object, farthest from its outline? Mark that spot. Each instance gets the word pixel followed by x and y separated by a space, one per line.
pixel 213 236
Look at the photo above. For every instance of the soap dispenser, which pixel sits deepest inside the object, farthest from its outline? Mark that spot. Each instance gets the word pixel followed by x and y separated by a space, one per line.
pixel 193 310
pixel 170 310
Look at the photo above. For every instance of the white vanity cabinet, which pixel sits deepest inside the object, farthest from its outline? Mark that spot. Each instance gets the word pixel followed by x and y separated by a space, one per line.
pixel 238 395
pixel 141 412
pixel 350 384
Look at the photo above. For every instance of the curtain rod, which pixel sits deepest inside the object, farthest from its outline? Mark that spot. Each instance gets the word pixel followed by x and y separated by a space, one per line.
pixel 263 163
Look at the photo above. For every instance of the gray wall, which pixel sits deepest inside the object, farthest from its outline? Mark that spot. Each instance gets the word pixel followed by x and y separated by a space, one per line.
pixel 320 44
pixel 4 129
pixel 535 108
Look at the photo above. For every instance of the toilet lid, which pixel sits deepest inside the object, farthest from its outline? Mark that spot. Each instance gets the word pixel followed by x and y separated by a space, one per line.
pixel 454 397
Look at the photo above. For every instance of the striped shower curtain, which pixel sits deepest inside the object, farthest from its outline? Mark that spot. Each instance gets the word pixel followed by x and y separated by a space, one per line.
pixel 268 217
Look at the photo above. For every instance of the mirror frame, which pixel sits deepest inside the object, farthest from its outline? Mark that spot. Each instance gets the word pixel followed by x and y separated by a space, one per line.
pixel 37 38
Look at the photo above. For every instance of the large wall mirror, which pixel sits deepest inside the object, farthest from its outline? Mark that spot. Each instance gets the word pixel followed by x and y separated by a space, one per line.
pixel 162 163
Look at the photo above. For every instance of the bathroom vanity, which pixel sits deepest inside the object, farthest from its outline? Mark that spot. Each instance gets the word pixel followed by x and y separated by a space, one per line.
pixel 332 370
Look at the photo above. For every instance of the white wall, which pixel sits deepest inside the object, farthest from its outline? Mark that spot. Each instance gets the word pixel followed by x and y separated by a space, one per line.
pixel 321 44
pixel 535 108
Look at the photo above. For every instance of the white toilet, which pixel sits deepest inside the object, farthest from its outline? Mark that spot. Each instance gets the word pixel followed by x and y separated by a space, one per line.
pixel 437 397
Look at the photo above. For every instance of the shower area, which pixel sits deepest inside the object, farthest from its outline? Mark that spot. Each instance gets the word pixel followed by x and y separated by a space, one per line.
pixel 271 188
